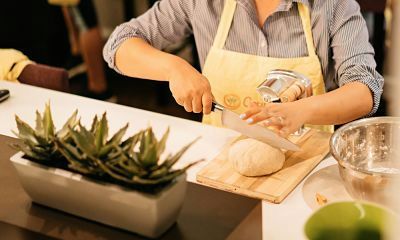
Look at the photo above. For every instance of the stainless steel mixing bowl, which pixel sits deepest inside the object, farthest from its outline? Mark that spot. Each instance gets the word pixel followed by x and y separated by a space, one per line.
pixel 368 153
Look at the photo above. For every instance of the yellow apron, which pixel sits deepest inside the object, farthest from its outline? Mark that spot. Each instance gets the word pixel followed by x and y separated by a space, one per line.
pixel 235 76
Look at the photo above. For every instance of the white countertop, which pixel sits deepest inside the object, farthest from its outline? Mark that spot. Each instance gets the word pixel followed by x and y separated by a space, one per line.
pixel 280 221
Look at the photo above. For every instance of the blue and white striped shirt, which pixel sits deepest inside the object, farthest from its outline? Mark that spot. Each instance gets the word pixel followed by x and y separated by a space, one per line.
pixel 339 32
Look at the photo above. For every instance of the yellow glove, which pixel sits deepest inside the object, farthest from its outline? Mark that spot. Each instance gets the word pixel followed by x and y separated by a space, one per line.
pixel 67 3
pixel 12 62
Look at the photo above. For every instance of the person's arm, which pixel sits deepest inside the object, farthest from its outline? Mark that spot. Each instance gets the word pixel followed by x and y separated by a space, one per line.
pixel 136 58
pixel 134 49
pixel 190 88
pixel 353 55
pixel 339 106
pixel 360 86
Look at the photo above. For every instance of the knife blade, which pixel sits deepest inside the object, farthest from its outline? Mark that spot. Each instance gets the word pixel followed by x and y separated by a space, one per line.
pixel 258 132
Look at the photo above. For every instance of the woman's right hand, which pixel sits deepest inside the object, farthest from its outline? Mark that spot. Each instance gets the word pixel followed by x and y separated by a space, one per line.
pixel 190 88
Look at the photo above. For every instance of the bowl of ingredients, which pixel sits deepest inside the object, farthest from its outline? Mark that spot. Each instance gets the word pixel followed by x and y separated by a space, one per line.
pixel 350 220
pixel 368 156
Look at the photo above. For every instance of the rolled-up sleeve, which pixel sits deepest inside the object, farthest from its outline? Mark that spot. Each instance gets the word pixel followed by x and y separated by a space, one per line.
pixel 167 22
pixel 352 53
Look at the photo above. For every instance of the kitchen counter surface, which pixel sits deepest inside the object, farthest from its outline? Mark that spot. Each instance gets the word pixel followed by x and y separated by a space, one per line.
pixel 279 221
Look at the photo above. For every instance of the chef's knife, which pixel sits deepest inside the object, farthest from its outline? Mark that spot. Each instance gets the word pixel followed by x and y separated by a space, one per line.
pixel 258 132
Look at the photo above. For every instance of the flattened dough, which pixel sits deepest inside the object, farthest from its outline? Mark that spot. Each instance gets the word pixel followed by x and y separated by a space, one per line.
pixel 253 158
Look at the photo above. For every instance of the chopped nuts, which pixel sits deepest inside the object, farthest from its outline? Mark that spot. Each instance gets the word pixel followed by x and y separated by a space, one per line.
pixel 321 200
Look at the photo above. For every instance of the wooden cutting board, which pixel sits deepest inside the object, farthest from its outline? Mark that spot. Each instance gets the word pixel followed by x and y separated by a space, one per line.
pixel 219 173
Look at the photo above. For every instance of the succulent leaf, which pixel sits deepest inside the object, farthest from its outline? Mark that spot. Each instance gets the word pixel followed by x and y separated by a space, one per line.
pixel 74 162
pixel 39 124
pixel 118 170
pixel 71 123
pixel 129 144
pixel 112 143
pixel 84 140
pixel 116 139
pixel 158 173
pixel 108 171
pixel 41 141
pixel 148 158
pixel 25 131
pixel 167 178
pixel 101 133
pixel 94 124
pixel 162 143
pixel 48 124
pixel 172 160
pixel 29 152
pixel 74 152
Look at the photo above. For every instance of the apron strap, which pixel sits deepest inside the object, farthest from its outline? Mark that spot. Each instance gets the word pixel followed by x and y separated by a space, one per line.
pixel 305 19
pixel 225 23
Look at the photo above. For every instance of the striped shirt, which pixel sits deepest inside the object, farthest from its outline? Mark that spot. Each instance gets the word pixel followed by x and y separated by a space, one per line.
pixel 339 32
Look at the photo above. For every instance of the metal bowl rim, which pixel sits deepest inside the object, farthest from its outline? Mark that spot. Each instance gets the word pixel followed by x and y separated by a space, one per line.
pixel 355 124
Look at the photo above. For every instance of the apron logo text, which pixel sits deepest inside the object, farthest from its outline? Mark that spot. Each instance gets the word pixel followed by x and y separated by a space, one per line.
pixel 232 101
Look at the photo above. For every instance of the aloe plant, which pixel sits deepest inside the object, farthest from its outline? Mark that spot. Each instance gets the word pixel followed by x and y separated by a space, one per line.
pixel 88 145
pixel 39 142
pixel 134 161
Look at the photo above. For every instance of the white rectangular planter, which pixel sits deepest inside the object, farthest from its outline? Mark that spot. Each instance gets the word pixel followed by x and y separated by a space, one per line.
pixel 148 215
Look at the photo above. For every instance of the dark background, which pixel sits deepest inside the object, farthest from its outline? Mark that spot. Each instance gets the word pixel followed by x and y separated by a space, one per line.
pixel 38 30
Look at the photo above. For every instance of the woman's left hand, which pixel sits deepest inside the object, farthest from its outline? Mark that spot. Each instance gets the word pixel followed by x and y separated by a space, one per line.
pixel 286 117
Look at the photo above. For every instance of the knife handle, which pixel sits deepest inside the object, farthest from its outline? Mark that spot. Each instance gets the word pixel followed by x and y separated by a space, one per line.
pixel 216 106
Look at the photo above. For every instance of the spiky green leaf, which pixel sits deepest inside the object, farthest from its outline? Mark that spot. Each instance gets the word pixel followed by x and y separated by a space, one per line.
pixel 101 133
pixel 73 151
pixel 70 123
pixel 84 140
pixel 28 151
pixel 112 143
pixel 129 144
pixel 118 170
pixel 167 178
pixel 160 172
pixel 39 124
pixel 94 124
pixel 116 139
pixel 172 160
pixel 148 158
pixel 164 178
pixel 48 124
pixel 162 143
pixel 42 141
pixel 132 167
pixel 25 131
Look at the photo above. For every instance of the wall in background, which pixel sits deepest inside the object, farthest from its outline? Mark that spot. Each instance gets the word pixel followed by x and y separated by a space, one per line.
pixel 111 13
pixel 392 77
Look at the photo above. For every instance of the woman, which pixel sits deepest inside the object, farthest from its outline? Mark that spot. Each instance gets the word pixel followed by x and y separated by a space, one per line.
pixel 240 41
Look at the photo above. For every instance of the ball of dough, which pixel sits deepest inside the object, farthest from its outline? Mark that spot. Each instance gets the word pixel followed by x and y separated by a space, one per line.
pixel 253 158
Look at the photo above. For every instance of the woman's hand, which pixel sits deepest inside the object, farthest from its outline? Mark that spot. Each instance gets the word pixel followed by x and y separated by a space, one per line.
pixel 285 117
pixel 190 88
